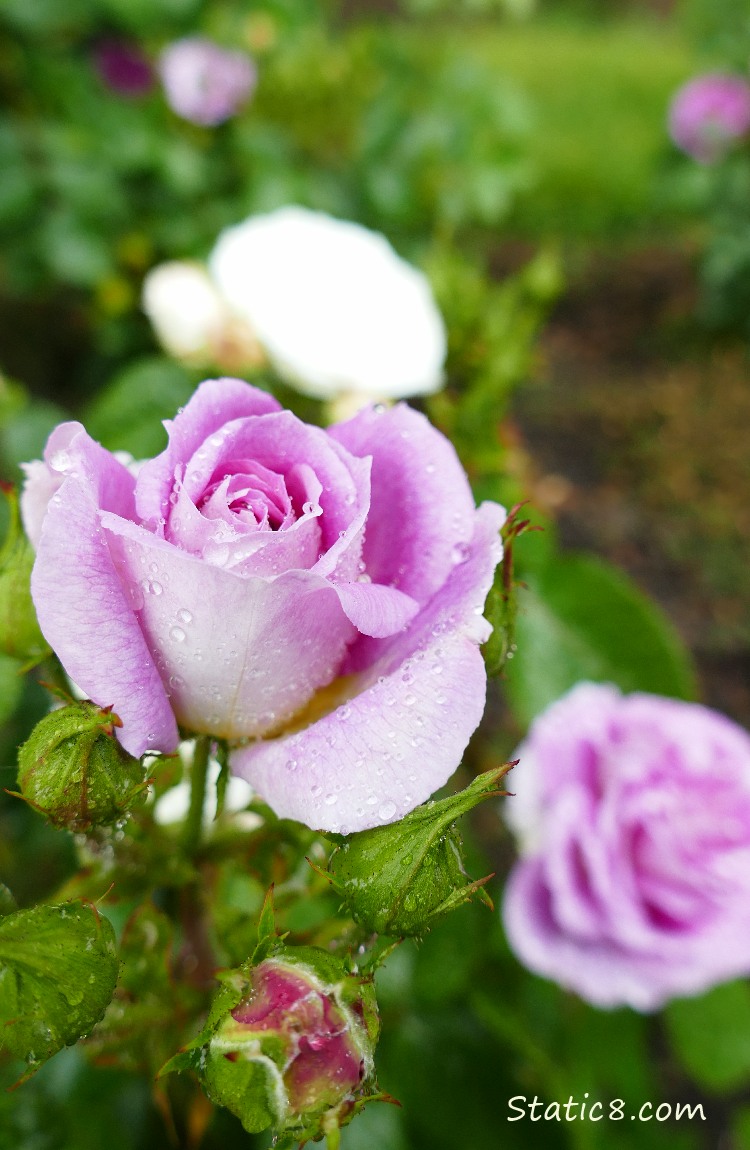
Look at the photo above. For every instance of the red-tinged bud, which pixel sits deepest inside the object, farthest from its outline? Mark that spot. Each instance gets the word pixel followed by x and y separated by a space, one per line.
pixel 295 1051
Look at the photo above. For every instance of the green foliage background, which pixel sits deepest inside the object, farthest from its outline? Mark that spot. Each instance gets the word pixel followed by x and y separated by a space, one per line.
pixel 451 126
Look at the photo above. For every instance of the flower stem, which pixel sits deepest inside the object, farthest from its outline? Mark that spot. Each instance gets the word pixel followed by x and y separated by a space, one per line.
pixel 191 831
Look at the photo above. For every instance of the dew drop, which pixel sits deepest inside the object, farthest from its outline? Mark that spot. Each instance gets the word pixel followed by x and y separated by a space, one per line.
pixel 315 791
pixel 184 616
pixel 387 809
pixel 177 634
pixel 60 461
pixel 460 553
pixel 291 764
pixel 371 800
pixel 330 800
pixel 409 700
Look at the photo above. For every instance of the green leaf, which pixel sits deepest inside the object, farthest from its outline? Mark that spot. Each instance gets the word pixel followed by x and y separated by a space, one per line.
pixel 58 971
pixel 127 414
pixel 24 433
pixel 711 1036
pixel 580 619
pixel 11 686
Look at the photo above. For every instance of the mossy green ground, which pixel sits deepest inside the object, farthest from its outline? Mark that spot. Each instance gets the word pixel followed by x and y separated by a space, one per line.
pixel 598 96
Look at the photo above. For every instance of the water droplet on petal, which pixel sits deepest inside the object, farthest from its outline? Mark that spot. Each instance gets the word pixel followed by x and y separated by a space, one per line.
pixel 184 616
pixel 60 461
pixel 460 553
pixel 315 791
pixel 387 809
pixel 330 800
pixel 177 634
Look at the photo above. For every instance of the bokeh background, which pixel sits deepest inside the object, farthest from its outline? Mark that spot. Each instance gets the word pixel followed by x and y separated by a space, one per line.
pixel 596 287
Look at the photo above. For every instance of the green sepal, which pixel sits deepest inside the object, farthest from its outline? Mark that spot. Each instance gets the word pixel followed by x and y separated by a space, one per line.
pixel 501 607
pixel 73 770
pixel 221 752
pixel 58 971
pixel 246 1088
pixel 400 878
pixel 20 636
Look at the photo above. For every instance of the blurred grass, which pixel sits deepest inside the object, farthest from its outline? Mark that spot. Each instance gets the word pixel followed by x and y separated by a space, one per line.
pixel 598 142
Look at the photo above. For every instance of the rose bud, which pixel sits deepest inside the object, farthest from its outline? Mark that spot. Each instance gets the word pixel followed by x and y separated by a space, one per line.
pixel 312 597
pixel 288 1043
pixel 20 636
pixel 73 770
pixel 633 819
pixel 400 879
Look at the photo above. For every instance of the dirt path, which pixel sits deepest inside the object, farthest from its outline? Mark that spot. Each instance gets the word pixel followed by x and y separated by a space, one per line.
pixel 640 444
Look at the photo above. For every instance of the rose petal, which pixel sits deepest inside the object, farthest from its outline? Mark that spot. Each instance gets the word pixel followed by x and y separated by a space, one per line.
pixel 376 610
pixel 252 552
pixel 421 516
pixel 279 441
pixel 400 737
pixel 84 610
pixel 239 655
pixel 213 404
pixel 44 479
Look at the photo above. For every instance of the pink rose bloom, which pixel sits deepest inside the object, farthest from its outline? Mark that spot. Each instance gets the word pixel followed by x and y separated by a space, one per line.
pixel 708 113
pixel 313 597
pixel 123 67
pixel 633 814
pixel 204 83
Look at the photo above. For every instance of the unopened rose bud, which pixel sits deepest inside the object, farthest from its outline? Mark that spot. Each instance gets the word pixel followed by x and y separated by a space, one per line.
pixel 399 879
pixel 289 1043
pixel 73 770
pixel 20 636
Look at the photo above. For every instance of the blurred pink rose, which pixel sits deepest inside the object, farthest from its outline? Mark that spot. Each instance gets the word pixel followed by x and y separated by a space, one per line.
pixel 314 597
pixel 708 113
pixel 123 67
pixel 204 83
pixel 633 816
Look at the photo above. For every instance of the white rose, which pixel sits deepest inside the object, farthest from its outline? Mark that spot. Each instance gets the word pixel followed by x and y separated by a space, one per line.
pixel 336 309
pixel 186 310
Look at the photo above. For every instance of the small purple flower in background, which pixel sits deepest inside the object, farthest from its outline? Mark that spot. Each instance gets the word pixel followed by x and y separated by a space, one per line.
pixel 633 818
pixel 204 83
pixel 123 67
pixel 708 113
